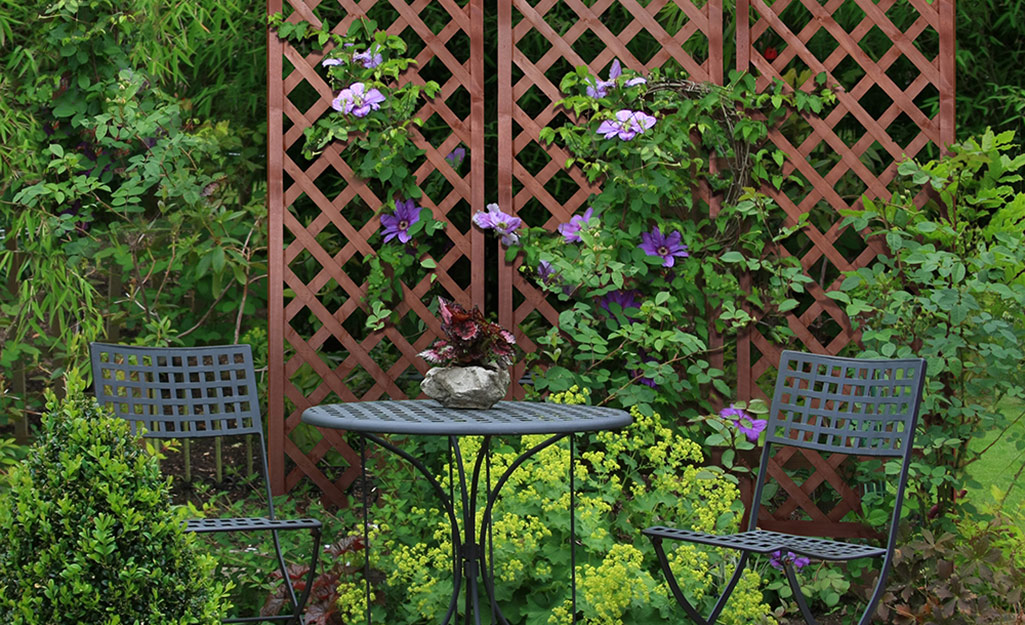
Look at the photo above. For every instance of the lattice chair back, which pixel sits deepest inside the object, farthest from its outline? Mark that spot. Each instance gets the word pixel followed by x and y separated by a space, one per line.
pixel 179 392
pixel 853 406
pixel 182 392
pixel 190 392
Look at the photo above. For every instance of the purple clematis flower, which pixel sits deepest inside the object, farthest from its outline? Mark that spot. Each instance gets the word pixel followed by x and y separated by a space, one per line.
pixel 571 231
pixel 406 214
pixel 777 560
pixel 627 125
pixel 649 382
pixel 545 272
pixel 328 62
pixel 668 247
pixel 636 81
pixel 370 58
pixel 501 223
pixel 456 156
pixel 749 426
pixel 597 88
pixel 625 299
pixel 357 100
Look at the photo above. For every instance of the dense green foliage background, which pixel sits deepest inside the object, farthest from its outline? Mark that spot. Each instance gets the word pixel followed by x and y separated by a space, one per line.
pixel 132 198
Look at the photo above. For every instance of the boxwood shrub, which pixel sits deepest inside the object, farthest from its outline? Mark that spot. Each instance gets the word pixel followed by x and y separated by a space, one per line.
pixel 88 533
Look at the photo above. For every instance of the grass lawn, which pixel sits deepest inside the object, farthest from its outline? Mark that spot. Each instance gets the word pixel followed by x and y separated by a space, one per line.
pixel 998 465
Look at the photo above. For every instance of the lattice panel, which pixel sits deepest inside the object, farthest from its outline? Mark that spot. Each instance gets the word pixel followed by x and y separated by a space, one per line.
pixel 815 503
pixel 900 51
pixel 539 43
pixel 321 350
pixel 870 51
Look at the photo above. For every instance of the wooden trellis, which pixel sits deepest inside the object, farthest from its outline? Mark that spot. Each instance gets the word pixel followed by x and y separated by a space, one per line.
pixel 314 297
pixel 303 324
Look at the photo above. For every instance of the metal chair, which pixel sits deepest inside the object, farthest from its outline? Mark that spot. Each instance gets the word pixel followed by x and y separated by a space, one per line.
pixel 199 392
pixel 834 405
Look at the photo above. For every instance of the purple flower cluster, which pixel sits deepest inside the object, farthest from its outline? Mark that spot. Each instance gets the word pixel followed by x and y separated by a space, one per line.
pixel 627 125
pixel 638 374
pixel 668 247
pixel 778 559
pixel 370 58
pixel 397 225
pixel 748 425
pixel 571 231
pixel 503 224
pixel 625 299
pixel 358 100
pixel 545 272
pixel 597 88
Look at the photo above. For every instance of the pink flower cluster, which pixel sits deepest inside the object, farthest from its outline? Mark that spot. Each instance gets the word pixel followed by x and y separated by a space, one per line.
pixel 627 125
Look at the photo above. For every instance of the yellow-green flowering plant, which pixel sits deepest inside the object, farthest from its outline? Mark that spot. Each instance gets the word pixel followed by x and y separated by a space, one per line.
pixel 624 481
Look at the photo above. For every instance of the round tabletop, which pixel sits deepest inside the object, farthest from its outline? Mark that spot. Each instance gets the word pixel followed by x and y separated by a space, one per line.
pixel 427 416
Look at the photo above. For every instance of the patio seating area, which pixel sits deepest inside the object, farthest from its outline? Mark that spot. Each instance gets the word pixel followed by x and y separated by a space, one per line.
pixel 512 312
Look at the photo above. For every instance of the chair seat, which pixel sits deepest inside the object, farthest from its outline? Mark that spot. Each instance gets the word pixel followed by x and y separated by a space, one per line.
pixel 764 542
pixel 241 524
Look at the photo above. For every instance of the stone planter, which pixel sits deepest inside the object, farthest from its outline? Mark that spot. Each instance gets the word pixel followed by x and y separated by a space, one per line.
pixel 466 387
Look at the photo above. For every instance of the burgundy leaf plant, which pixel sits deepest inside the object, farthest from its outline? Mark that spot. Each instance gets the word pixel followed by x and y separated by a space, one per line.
pixel 470 340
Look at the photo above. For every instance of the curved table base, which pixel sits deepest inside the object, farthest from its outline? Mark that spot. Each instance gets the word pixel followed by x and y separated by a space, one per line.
pixel 469 560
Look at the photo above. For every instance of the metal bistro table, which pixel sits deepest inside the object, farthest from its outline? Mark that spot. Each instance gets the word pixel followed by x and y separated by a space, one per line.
pixel 427 417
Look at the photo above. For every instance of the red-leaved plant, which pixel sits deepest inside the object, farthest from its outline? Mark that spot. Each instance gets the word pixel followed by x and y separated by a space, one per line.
pixel 471 340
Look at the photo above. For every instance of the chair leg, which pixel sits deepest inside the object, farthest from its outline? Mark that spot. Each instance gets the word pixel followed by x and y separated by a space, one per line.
pixel 298 602
pixel 677 592
pixel 877 593
pixel 788 568
pixel 310 576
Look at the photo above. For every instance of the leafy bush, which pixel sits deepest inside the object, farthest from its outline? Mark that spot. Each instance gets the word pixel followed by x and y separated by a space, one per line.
pixel 124 214
pixel 88 532
pixel 973 575
pixel 950 290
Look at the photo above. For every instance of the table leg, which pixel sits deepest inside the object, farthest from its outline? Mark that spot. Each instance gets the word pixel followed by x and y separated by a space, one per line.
pixel 473 561
pixel 488 571
pixel 447 504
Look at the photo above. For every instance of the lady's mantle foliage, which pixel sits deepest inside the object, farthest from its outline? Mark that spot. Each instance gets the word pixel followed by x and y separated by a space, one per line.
pixel 470 339
pixel 644 474
pixel 647 271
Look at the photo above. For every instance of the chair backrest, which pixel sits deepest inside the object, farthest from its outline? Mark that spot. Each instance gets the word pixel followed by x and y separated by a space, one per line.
pixel 854 406
pixel 179 392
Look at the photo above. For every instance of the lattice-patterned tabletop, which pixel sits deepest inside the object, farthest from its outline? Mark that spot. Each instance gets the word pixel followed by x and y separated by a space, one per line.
pixel 426 416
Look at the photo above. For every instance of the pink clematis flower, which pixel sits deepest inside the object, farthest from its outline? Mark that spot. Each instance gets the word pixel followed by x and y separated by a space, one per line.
pixel 358 100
